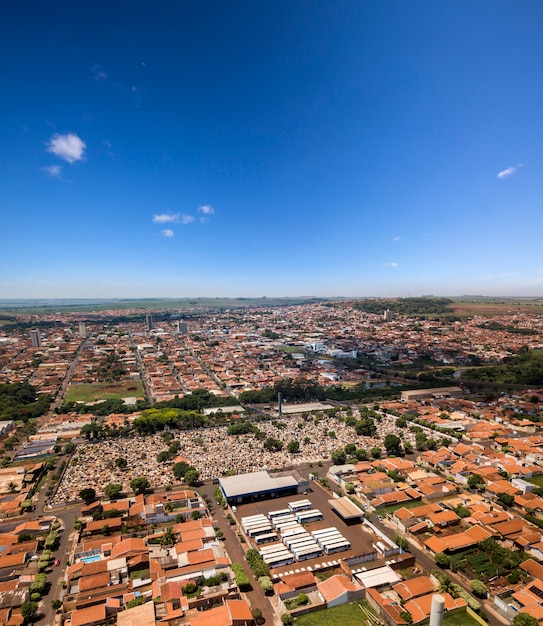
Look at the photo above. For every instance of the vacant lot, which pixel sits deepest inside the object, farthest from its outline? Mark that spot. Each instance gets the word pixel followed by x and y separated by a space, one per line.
pixel 469 309
pixel 353 614
pixel 104 391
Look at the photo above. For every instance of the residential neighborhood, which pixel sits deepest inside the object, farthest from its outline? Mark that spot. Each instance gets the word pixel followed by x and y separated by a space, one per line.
pixel 115 500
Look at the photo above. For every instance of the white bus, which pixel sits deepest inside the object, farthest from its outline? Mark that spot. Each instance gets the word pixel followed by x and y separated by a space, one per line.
pixel 268 538
pixel 278 513
pixel 308 553
pixel 300 505
pixel 306 517
pixel 337 546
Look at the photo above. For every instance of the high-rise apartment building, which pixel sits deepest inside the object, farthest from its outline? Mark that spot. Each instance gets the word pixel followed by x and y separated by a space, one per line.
pixel 149 321
pixel 82 330
pixel 35 338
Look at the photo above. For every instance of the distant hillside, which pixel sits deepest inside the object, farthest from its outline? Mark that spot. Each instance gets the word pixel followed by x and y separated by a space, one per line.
pixel 157 304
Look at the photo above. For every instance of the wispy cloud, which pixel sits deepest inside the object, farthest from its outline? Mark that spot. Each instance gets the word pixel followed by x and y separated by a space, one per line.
pixel 167 232
pixel 182 218
pixel 164 218
pixel 53 170
pixel 391 264
pixel 206 209
pixel 396 238
pixel 98 73
pixel 508 171
pixel 68 147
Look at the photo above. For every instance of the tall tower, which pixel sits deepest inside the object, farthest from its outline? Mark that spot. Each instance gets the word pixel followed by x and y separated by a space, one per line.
pixel 387 315
pixel 182 328
pixel 149 321
pixel 35 338
pixel 437 610
pixel 82 330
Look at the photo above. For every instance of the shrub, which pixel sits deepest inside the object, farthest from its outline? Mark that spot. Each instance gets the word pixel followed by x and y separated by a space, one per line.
pixel 242 580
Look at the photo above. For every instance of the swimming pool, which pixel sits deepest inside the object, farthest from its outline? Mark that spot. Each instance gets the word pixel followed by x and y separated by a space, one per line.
pixel 91 559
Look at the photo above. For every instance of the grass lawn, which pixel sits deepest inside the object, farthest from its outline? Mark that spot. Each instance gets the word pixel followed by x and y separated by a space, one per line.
pixel 104 391
pixel 345 615
pixel 536 480
pixel 460 619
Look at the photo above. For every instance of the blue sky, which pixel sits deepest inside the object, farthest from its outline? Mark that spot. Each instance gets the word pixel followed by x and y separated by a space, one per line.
pixel 251 148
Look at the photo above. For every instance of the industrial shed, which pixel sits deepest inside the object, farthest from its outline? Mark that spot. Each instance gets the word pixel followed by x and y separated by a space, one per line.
pixel 257 486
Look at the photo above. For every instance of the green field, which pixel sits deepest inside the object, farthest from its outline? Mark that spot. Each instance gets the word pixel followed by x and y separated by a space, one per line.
pixel 104 391
pixel 345 615
pixel 156 304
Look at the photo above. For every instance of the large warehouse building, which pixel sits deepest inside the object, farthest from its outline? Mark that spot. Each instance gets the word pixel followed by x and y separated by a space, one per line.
pixel 259 486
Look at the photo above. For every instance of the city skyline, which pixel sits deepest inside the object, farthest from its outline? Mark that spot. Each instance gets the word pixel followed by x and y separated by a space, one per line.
pixel 198 149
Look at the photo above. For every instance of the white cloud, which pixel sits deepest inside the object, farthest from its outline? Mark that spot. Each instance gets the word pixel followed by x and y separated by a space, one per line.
pixel 187 219
pixel 396 239
pixel 68 147
pixel 163 218
pixel 98 73
pixel 206 209
pixel 167 232
pixel 508 171
pixel 392 264
pixel 53 170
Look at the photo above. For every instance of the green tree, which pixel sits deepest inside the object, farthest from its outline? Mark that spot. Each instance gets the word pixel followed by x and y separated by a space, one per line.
pixel 476 481
pixel 421 441
pixel 339 457
pixel 88 495
pixel 169 537
pixel 135 602
pixel 293 447
pixel 442 559
pixel 273 445
pixel 121 463
pixel 393 444
pixel 287 619
pixel 29 610
pixel 523 619
pixel 139 484
pixel 479 588
pixel 350 449
pixel 192 476
pixel 113 490
pixel 365 427
pixel 163 456
pixel 180 469
pixel 376 452
pixel 266 584
pixel 506 498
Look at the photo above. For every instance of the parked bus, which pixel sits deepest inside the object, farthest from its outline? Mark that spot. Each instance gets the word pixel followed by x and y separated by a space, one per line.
pixel 306 517
pixel 308 553
pixel 300 505
pixel 278 513
pixel 268 538
pixel 337 546
pixel 260 530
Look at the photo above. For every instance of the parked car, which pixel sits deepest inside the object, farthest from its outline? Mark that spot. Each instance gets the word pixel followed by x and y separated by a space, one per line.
pixel 57 562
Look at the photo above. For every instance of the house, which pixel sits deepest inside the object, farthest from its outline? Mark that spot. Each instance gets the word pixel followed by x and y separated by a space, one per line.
pixel 338 590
